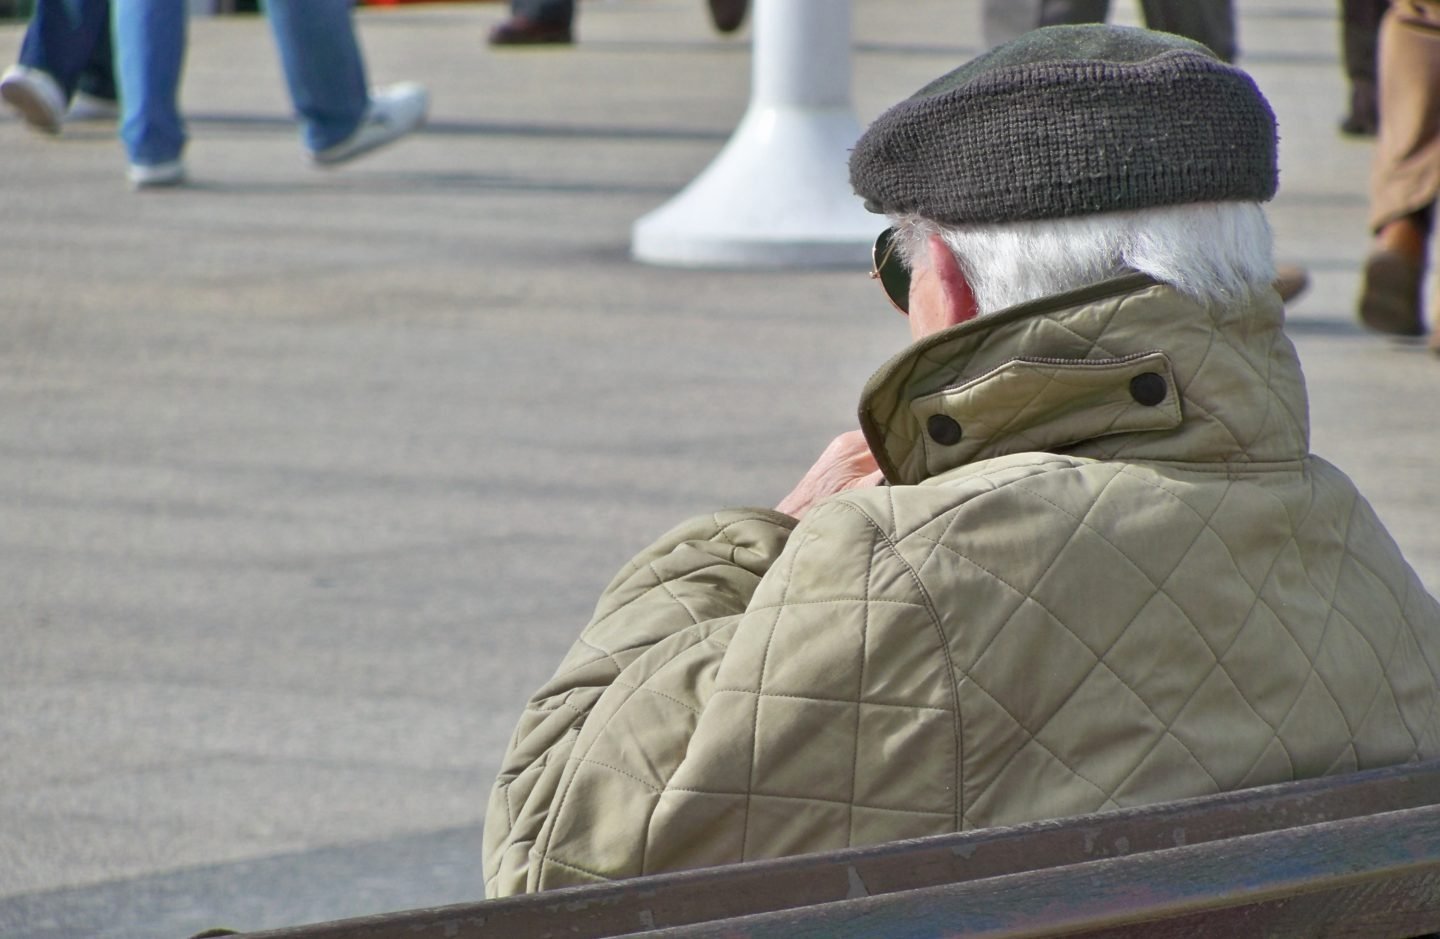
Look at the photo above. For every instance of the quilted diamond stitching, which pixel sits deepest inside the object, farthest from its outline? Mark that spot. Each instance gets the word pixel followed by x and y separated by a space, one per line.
pixel 602 653
pixel 1265 378
pixel 824 699
pixel 880 536
pixel 1394 639
pixel 645 688
pixel 665 585
pixel 1402 603
pixel 1290 634
pixel 1205 526
pixel 867 601
pixel 779 610
pixel 590 761
pixel 859 696
pixel 1217 655
pixel 1337 612
pixel 1030 737
pixel 550 859
pixel 563 793
pixel 780 796
pixel 1261 600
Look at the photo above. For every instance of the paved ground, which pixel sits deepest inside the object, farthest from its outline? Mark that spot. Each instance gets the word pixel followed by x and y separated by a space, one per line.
pixel 307 479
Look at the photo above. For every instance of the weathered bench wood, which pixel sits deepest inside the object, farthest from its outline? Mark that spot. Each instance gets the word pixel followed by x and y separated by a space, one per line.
pixel 1188 863
pixel 1371 876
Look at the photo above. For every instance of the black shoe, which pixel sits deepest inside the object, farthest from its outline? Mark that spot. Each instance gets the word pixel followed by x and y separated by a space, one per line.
pixel 728 14
pixel 523 31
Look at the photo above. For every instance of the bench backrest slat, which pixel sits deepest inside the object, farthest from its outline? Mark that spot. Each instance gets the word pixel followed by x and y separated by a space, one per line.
pixel 1376 876
pixel 634 906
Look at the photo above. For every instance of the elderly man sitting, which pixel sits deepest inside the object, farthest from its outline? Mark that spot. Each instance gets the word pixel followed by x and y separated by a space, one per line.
pixel 1081 557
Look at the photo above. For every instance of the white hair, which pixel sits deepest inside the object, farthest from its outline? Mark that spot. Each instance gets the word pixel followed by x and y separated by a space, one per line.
pixel 1212 251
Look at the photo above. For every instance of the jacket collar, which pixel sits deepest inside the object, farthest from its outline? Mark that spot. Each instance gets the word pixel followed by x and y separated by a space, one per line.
pixel 1128 368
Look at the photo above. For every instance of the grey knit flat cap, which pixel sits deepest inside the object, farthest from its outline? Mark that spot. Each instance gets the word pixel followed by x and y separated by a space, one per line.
pixel 1071 120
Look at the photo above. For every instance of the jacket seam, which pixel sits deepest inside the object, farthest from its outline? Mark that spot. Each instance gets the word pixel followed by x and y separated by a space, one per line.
pixel 1027 595
pixel 1385 675
pixel 551 859
pixel 859 695
pixel 835 599
pixel 589 761
pixel 659 694
pixel 825 700
pixel 944 643
pixel 760 685
pixel 805 798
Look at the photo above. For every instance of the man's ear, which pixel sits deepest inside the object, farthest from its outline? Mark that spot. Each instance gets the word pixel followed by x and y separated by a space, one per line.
pixel 959 299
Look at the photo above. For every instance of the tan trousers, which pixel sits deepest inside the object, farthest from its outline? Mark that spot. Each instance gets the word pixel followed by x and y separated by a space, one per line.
pixel 1405 173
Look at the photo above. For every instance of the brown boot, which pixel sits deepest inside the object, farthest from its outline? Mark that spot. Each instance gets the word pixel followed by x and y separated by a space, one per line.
pixel 1394 272
pixel 1390 299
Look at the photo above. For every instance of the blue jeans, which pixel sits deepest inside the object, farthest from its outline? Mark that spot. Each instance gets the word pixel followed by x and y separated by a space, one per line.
pixel 69 40
pixel 323 67
pixel 149 40
pixel 319 54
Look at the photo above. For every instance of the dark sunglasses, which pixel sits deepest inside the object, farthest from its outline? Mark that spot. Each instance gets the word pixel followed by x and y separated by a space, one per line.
pixel 890 270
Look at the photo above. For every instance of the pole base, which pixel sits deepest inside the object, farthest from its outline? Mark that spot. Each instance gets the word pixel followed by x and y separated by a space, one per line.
pixel 777 196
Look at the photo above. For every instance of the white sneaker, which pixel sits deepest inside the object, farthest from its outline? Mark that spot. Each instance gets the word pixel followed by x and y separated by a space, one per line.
pixel 35 95
pixel 88 107
pixel 156 175
pixel 394 112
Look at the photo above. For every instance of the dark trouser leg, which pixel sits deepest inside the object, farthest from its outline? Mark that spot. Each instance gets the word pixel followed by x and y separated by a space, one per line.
pixel 1004 20
pixel 1359 40
pixel 62 37
pixel 98 76
pixel 1360 34
pixel 1405 172
pixel 549 12
pixel 1208 22
pixel 1061 12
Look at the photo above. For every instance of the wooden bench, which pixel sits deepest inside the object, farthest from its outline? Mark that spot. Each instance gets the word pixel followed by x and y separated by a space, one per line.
pixel 1355 855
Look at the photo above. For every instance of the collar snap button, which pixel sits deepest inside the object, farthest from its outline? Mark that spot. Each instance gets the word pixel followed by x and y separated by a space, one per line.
pixel 1148 389
pixel 944 429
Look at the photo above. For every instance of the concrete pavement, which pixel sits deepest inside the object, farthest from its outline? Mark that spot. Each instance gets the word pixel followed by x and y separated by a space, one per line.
pixel 308 478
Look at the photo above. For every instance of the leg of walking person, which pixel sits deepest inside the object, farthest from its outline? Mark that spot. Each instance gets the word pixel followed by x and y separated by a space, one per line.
pixel 325 72
pixel 1209 22
pixel 61 43
pixel 1212 24
pixel 727 15
pixel 1004 20
pixel 97 79
pixel 1062 12
pixel 324 68
pixel 1405 171
pixel 149 38
pixel 1359 35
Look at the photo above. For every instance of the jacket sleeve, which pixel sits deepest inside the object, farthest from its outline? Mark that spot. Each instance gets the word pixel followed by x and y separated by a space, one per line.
pixel 818 716
pixel 671 595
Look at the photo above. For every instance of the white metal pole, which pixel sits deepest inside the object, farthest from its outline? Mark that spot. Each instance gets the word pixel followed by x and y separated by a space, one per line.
pixel 778 194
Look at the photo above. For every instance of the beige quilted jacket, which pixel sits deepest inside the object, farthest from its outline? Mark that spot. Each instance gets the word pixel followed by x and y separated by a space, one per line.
pixel 1106 572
